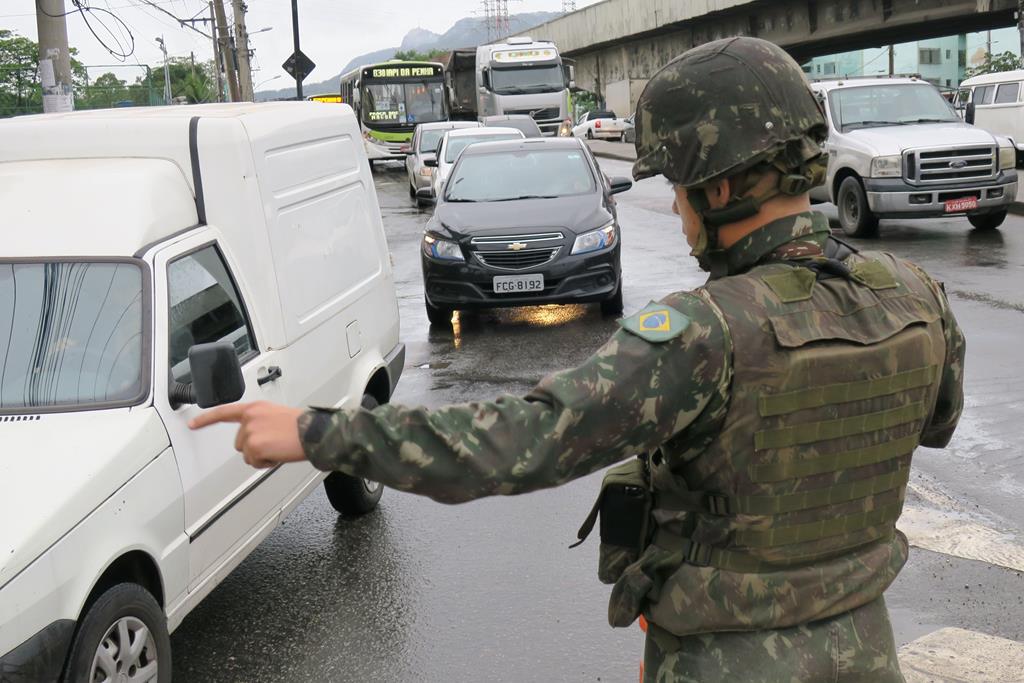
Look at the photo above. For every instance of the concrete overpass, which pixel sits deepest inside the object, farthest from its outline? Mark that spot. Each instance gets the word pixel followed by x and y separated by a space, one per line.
pixel 619 44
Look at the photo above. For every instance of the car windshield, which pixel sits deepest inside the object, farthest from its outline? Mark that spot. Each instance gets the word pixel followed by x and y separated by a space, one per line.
pixel 520 174
pixel 402 103
pixel 602 115
pixel 71 334
pixel 888 105
pixel 457 144
pixel 518 81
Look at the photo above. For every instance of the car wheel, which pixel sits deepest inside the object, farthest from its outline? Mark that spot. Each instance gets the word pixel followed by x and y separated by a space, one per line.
pixel 354 496
pixel 613 306
pixel 988 221
pixel 438 315
pixel 855 218
pixel 590 134
pixel 122 636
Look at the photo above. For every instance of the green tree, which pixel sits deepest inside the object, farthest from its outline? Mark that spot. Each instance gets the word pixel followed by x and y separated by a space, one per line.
pixel 188 79
pixel 20 91
pixel 1006 61
pixel 416 56
pixel 198 89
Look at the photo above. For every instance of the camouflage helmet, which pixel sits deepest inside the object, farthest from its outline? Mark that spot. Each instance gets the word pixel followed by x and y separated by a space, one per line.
pixel 724 107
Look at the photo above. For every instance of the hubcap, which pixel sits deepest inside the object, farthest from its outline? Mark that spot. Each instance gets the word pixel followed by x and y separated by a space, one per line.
pixel 126 654
pixel 852 210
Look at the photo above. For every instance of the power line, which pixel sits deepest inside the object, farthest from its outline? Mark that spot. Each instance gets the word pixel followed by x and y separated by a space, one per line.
pixel 82 8
pixel 184 23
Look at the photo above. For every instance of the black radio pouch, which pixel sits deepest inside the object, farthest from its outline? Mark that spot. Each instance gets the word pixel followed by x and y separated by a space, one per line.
pixel 624 507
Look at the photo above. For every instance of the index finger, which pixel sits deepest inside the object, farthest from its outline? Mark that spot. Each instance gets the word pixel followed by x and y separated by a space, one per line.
pixel 227 413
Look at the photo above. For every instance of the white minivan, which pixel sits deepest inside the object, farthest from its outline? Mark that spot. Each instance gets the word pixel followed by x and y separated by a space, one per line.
pixel 154 262
pixel 995 102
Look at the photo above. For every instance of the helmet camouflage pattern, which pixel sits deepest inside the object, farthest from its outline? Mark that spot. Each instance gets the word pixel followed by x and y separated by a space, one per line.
pixel 723 107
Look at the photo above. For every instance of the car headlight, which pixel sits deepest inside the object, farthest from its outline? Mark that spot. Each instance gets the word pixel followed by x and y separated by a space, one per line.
pixel 442 250
pixel 426 171
pixel 1007 158
pixel 595 240
pixel 565 130
pixel 886 167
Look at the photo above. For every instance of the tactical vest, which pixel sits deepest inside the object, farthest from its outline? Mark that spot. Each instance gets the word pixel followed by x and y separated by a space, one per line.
pixel 789 515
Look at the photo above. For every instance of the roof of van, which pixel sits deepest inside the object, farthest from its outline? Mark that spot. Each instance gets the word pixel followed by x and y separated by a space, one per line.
pixel 127 177
pixel 999 77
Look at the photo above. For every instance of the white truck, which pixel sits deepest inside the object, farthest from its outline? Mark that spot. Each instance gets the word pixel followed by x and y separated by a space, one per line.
pixel 519 76
pixel 897 149
pixel 156 262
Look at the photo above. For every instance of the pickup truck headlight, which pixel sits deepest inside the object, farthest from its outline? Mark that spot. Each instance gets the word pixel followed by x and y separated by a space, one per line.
pixel 887 167
pixel 595 240
pixel 426 171
pixel 1007 158
pixel 442 250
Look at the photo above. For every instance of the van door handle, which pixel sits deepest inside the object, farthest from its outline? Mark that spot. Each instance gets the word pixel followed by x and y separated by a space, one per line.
pixel 273 373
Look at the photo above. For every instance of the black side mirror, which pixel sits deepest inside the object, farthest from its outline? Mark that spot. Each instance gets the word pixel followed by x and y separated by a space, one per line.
pixel 216 374
pixel 430 161
pixel 486 78
pixel 969 113
pixel 619 184
pixel 425 194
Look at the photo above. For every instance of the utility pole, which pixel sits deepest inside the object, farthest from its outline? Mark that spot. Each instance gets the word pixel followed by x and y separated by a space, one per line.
pixel 167 71
pixel 54 56
pixel 1020 25
pixel 217 73
pixel 242 51
pixel 892 59
pixel 225 49
pixel 295 39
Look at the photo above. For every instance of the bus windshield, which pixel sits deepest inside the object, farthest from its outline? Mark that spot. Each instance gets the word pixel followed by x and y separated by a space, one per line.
pixel 402 104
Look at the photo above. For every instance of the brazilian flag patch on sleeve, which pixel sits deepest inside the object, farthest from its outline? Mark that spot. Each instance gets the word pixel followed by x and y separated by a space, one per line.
pixel 656 323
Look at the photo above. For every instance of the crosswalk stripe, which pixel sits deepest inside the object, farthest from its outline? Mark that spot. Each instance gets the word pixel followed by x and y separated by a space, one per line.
pixel 954 655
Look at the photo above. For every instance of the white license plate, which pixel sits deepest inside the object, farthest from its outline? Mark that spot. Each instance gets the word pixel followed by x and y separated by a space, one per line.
pixel 518 284
pixel 963 204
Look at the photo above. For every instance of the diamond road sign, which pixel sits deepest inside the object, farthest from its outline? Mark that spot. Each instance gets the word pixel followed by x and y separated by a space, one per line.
pixel 298 65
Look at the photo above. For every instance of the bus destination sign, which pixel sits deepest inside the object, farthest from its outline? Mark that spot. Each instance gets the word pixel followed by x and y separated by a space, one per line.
pixel 399 71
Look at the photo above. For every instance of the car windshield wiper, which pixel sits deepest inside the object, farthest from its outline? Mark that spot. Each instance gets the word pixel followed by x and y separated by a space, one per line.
pixel 872 124
pixel 527 196
pixel 458 200
pixel 929 120
pixel 512 90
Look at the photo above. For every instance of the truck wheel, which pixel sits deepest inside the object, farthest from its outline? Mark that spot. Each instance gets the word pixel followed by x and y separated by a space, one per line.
pixel 855 217
pixel 122 636
pixel 354 496
pixel 988 221
pixel 438 315
pixel 613 306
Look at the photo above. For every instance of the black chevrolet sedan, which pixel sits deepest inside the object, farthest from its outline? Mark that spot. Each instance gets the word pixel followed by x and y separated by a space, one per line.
pixel 522 223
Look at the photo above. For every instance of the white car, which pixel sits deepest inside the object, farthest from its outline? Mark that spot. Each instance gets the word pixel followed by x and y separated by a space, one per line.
pixel 600 125
pixel 896 149
pixel 197 256
pixel 452 144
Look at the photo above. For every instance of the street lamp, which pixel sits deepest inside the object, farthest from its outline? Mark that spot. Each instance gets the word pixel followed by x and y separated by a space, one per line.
pixel 272 78
pixel 267 28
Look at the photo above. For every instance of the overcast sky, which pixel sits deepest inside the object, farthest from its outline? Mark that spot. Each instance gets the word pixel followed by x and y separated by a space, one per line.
pixel 332 32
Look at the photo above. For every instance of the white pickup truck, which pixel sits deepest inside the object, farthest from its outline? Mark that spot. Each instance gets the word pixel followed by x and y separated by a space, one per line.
pixel 897 149
pixel 156 262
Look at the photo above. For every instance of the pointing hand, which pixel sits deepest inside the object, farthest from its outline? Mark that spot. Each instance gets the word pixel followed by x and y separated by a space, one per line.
pixel 268 434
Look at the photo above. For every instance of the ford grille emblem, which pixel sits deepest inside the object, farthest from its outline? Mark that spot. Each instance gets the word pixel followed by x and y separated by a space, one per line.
pixel 959 163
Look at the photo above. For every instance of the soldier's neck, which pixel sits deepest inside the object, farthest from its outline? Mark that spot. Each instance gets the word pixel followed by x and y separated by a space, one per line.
pixel 772 210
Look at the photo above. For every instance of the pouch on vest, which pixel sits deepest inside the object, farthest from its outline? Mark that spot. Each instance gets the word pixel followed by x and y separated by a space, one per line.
pixel 624 506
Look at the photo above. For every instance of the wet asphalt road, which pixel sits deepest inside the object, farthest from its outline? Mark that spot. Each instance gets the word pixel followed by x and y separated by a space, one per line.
pixel 489 591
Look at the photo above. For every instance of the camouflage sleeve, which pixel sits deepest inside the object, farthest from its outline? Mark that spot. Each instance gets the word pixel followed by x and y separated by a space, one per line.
pixel 950 403
pixel 627 398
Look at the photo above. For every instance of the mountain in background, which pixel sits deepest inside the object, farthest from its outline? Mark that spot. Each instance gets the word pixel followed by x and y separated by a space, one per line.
pixel 465 33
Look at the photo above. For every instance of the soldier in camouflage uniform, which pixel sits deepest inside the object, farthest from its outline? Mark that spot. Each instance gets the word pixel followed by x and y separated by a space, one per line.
pixel 777 406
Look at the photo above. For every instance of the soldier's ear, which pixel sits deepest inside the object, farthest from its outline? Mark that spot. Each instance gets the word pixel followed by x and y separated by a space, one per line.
pixel 719 193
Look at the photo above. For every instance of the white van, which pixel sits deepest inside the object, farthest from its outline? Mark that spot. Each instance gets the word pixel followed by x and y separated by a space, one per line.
pixel 151 260
pixel 995 102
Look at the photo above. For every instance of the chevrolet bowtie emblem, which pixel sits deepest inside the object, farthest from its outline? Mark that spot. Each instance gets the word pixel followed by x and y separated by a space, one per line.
pixel 516 246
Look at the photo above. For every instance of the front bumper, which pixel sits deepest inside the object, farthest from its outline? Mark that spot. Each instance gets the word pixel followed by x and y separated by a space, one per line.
pixel 895 197
pixel 377 150
pixel 571 279
pixel 41 657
